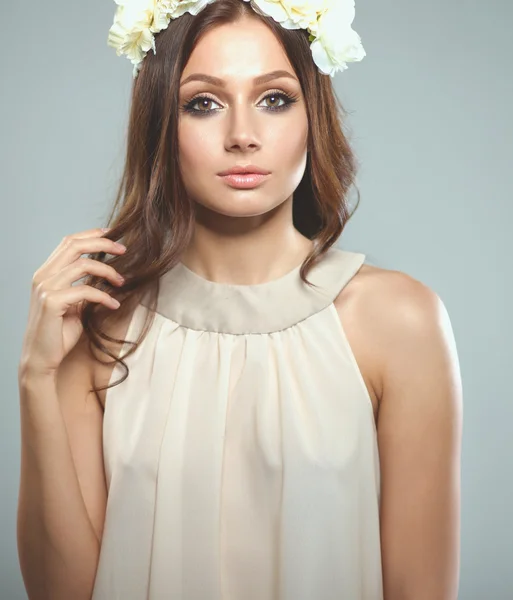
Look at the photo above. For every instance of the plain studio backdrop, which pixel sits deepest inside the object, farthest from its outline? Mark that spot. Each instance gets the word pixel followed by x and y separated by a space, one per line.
pixel 432 124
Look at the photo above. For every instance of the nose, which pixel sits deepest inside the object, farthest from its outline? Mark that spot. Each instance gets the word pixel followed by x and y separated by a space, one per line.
pixel 243 130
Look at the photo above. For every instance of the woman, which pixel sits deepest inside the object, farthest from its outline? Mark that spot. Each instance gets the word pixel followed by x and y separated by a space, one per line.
pixel 288 421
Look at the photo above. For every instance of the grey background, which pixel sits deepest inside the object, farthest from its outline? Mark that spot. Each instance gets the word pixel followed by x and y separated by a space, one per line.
pixel 431 119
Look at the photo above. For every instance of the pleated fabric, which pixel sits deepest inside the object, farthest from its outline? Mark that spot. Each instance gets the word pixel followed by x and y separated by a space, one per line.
pixel 241 452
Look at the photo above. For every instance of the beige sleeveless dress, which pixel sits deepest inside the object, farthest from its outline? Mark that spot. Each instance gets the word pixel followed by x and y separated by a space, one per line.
pixel 241 452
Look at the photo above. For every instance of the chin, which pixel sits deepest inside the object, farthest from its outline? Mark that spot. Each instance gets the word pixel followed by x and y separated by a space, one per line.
pixel 244 206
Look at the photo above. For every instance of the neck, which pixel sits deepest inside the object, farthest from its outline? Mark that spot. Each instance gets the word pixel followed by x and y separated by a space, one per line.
pixel 245 250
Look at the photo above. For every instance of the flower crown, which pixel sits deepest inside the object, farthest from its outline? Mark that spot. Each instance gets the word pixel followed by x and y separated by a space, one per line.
pixel 333 41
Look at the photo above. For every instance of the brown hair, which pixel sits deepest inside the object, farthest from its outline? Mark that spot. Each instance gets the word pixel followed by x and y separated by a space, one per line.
pixel 152 213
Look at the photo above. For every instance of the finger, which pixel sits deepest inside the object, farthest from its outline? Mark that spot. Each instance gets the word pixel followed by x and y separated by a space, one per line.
pixel 60 301
pixel 71 251
pixel 95 232
pixel 88 233
pixel 80 268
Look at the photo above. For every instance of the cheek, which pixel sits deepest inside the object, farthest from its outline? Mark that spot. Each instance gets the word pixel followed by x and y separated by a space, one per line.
pixel 288 139
pixel 195 146
pixel 289 143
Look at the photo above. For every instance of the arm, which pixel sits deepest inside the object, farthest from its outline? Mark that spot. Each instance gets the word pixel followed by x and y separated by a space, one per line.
pixel 419 438
pixel 62 492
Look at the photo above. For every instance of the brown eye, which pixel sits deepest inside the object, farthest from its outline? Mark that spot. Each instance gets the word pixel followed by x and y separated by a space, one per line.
pixel 276 98
pixel 203 103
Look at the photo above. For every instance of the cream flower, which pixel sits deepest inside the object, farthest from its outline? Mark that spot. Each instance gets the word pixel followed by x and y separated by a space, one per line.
pixel 161 14
pixel 274 9
pixel 336 42
pixel 293 14
pixel 305 13
pixel 190 6
pixel 135 23
pixel 130 33
pixel 333 41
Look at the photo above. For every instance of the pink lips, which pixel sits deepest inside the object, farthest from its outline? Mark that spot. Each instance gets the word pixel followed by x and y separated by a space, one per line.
pixel 245 180
pixel 244 169
pixel 244 176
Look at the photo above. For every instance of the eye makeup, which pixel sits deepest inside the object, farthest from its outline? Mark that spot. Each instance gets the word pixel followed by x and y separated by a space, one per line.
pixel 188 107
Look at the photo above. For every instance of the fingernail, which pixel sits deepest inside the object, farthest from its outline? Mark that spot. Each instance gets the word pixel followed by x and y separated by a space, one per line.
pixel 105 229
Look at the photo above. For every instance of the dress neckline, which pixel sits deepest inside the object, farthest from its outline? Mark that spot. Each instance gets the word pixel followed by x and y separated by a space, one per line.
pixel 189 273
pixel 197 303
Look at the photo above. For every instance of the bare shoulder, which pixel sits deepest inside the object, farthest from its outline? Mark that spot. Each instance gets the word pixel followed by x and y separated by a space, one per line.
pixel 400 307
pixel 378 309
pixel 416 367
pixel 400 294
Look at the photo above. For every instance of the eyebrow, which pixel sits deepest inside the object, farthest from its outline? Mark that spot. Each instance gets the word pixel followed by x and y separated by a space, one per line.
pixel 221 83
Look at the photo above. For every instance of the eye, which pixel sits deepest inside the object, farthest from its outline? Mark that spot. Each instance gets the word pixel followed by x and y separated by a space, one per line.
pixel 203 100
pixel 199 100
pixel 275 96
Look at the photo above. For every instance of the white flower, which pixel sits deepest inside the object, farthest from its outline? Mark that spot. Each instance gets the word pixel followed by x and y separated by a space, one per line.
pixel 131 32
pixel 191 6
pixel 336 42
pixel 136 22
pixel 131 35
pixel 161 14
pixel 274 9
pixel 293 14
pixel 304 13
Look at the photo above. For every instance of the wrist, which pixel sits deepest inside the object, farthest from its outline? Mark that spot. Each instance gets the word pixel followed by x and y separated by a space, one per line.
pixel 31 376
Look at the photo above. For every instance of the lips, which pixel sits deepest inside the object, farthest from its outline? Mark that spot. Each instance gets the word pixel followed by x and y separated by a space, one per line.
pixel 245 181
pixel 247 170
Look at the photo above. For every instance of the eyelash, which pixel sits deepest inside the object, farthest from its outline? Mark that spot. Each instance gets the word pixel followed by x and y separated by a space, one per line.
pixel 188 107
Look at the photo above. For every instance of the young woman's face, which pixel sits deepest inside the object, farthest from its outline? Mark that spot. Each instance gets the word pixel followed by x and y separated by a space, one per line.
pixel 242 123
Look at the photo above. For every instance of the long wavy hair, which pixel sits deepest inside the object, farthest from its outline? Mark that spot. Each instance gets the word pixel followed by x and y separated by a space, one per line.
pixel 152 213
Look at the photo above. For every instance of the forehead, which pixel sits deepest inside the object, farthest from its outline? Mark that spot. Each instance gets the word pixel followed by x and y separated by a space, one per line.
pixel 237 51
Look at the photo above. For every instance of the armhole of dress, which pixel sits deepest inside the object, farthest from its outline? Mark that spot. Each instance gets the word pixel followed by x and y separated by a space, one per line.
pixel 107 436
pixel 356 366
pixel 117 370
pixel 357 261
